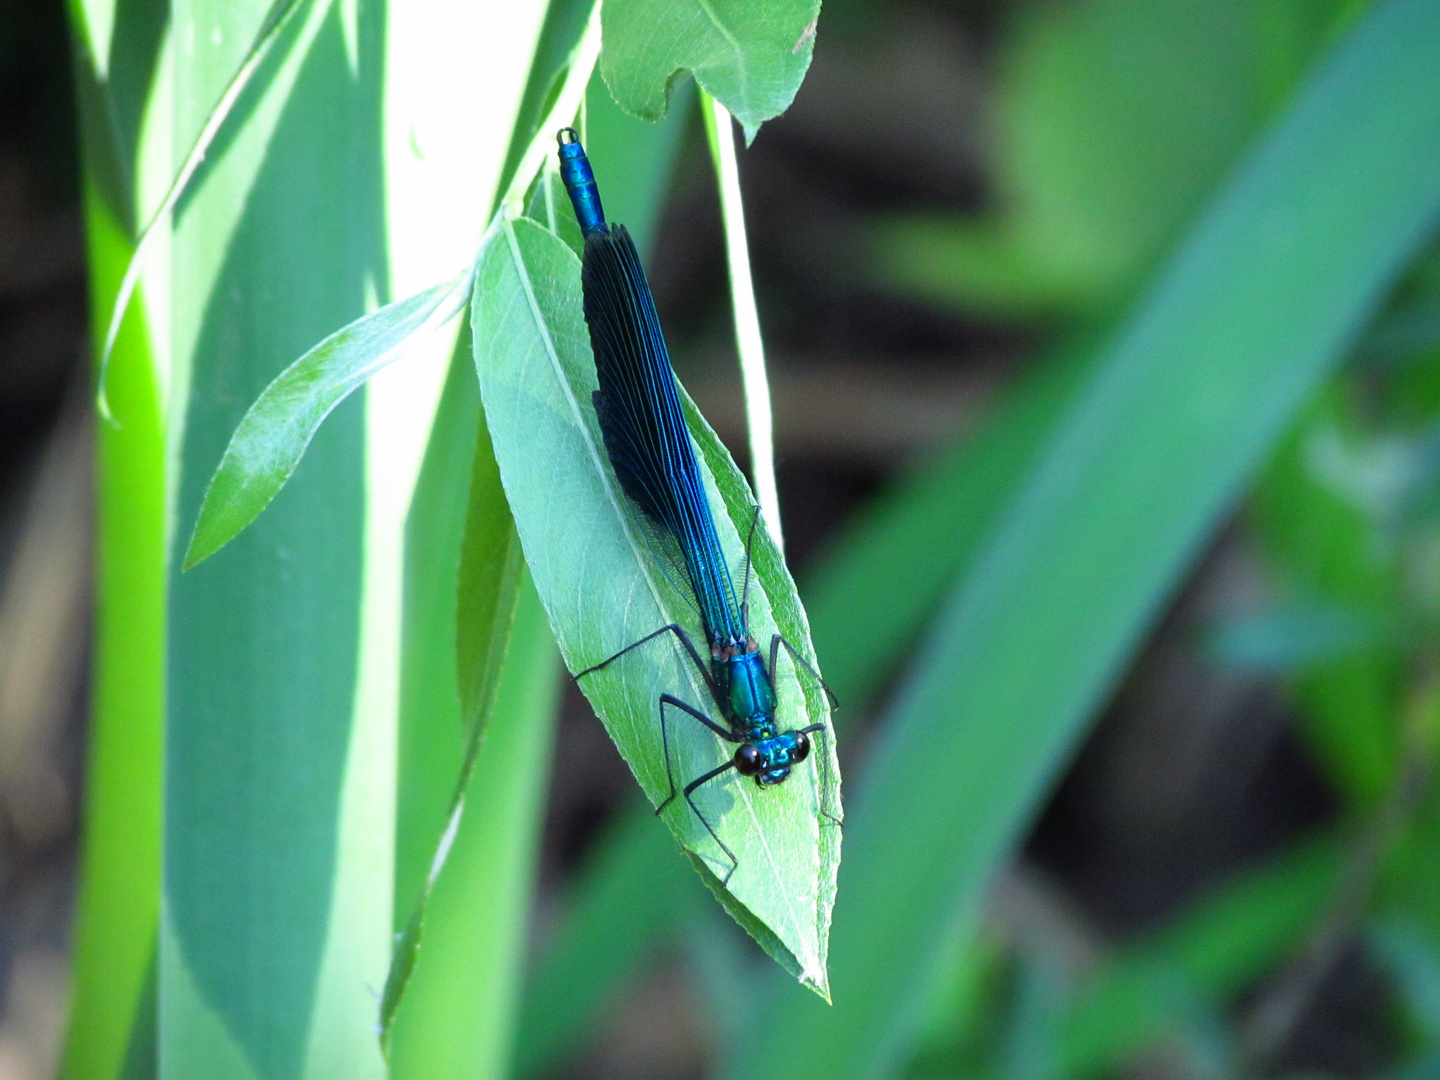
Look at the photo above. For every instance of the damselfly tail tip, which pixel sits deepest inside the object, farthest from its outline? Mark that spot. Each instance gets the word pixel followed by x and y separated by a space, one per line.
pixel 567 135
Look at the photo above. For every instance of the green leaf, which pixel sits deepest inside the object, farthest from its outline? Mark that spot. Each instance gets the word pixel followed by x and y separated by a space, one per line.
pixel 1248 317
pixel 270 441
pixel 603 591
pixel 275 19
pixel 1326 553
pixel 751 56
pixel 889 571
pixel 631 896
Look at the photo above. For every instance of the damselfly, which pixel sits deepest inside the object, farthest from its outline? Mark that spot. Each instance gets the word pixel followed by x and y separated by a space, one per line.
pixel 649 446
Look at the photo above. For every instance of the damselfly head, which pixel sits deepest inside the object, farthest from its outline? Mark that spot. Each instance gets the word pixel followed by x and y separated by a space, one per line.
pixel 769 761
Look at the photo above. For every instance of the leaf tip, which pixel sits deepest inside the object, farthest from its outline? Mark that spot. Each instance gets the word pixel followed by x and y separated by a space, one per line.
pixel 196 552
pixel 211 532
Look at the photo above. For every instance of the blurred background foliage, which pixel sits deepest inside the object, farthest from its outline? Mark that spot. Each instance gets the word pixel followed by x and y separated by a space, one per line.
pixel 1235 874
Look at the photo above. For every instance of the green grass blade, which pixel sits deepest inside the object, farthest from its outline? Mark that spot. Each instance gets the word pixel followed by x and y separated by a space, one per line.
pixel 565 23
pixel 759 417
pixel 603 591
pixel 751 57
pixel 271 438
pixel 118 910
pixel 1251 313
pixel 891 568
pixel 431 736
pixel 457 1018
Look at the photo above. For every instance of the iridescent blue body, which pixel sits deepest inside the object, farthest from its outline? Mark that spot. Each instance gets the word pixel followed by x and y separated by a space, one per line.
pixel 649 446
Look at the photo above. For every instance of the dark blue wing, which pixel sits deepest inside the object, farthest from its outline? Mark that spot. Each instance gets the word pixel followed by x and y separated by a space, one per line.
pixel 644 427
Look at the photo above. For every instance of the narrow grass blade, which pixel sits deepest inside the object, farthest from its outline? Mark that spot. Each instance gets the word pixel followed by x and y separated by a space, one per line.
pixel 891 568
pixel 118 909
pixel 759 418
pixel 562 112
pixel 603 591
pixel 1251 313
pixel 270 441
pixel 564 26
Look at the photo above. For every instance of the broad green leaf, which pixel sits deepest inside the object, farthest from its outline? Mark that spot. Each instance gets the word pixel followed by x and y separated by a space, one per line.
pixel 1251 313
pixel 271 439
pixel 280 651
pixel 750 56
pixel 603 591
pixel 274 22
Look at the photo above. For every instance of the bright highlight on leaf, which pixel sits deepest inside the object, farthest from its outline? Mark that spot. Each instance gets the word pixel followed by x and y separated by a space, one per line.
pixel 604 589
pixel 271 439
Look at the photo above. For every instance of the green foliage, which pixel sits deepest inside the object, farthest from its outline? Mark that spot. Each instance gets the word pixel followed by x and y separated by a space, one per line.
pixel 486 588
pixel 273 436
pixel 1117 120
pixel 536 379
pixel 355 739
pixel 1251 313
pixel 749 56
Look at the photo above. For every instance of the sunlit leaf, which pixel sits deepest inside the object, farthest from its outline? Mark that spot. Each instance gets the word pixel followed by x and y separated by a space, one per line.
pixel 272 437
pixel 604 590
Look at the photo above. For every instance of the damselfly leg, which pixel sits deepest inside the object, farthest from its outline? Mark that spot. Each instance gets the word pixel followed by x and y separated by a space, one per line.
pixel 719 729
pixel 822 765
